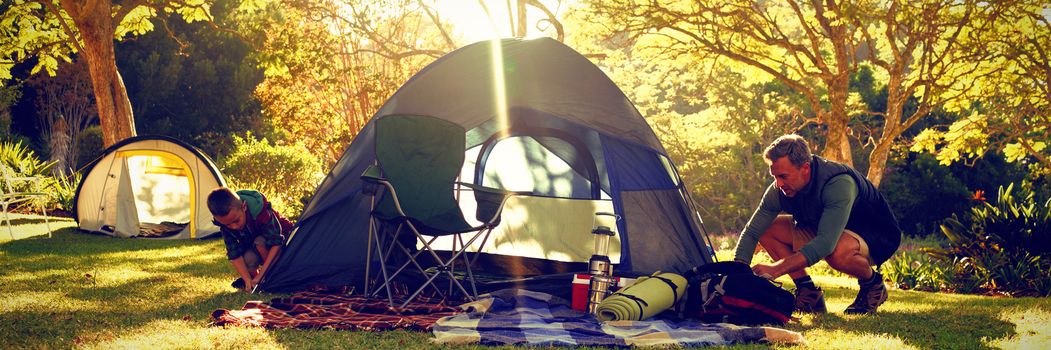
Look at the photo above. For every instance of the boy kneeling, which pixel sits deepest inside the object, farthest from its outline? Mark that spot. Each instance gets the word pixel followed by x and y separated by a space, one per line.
pixel 252 230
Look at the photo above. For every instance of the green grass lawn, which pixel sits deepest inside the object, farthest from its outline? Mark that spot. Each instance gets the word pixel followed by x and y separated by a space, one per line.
pixel 85 291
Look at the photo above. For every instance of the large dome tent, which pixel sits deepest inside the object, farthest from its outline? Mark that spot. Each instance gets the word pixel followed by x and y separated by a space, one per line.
pixel 148 186
pixel 540 118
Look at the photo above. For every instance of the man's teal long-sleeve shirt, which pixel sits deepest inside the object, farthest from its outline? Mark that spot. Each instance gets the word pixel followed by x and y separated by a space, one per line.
pixel 837 199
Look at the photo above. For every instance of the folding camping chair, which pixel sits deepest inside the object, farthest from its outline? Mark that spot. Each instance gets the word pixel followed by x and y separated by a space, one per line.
pixel 12 196
pixel 418 161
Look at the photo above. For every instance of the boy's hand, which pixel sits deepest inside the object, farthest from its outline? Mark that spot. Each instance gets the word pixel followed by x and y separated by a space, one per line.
pixel 249 285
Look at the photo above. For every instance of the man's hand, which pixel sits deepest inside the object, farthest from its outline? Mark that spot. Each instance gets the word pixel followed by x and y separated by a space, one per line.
pixel 794 262
pixel 766 271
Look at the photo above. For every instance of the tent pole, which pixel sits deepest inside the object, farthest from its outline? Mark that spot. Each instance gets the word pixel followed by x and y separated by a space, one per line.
pixel 707 239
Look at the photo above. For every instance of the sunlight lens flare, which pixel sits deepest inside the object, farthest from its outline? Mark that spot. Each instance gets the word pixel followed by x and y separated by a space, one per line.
pixel 496 52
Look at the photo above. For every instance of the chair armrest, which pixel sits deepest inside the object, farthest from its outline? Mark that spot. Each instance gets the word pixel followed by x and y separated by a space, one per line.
pixel 490 201
pixel 374 180
pixel 25 178
pixel 24 194
pixel 491 190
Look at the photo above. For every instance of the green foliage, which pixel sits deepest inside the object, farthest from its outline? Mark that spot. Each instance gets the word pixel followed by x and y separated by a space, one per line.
pixel 910 269
pixel 22 160
pixel 170 76
pixel 1004 97
pixel 919 270
pixel 90 146
pixel 330 65
pixel 28 29
pixel 9 95
pixel 286 175
pixel 1006 245
pixel 64 191
pixel 922 193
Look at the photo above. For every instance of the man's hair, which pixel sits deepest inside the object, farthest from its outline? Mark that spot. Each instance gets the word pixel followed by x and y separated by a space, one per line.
pixel 222 200
pixel 792 146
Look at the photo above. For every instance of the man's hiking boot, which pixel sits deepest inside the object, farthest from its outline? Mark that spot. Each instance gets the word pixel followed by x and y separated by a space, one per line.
pixel 869 298
pixel 810 300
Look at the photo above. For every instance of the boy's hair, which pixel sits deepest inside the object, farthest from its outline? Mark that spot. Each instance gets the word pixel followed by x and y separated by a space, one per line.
pixel 222 200
pixel 793 146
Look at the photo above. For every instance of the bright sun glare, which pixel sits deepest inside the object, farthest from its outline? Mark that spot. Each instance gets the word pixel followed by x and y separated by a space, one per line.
pixel 469 18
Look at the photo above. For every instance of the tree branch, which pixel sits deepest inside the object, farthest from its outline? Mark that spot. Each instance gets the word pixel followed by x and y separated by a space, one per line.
pixel 559 31
pixel 438 23
pixel 65 26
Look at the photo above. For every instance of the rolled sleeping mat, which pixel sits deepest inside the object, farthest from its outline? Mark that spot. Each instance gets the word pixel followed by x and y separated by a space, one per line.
pixel 644 299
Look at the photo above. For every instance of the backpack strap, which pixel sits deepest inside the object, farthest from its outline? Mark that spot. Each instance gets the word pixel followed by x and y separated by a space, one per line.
pixel 720 268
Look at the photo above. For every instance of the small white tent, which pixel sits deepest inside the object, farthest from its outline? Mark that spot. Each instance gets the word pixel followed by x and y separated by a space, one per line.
pixel 148 186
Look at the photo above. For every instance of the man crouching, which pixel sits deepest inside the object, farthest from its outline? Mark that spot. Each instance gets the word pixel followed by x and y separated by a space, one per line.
pixel 835 214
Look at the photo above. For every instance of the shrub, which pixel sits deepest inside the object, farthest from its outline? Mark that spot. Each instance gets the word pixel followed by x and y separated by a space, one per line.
pixel 912 269
pixel 89 146
pixel 65 191
pixel 1007 246
pixel 287 175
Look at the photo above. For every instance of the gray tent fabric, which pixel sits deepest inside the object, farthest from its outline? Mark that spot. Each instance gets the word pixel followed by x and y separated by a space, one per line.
pixel 570 110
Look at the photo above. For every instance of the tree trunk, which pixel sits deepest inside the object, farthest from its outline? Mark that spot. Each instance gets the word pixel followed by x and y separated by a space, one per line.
pixel 523 23
pixel 837 145
pixel 893 126
pixel 96 32
pixel 878 161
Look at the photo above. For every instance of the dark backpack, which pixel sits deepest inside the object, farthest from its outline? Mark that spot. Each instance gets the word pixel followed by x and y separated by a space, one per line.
pixel 728 292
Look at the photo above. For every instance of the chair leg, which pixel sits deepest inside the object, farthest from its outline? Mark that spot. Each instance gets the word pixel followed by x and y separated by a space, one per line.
pixel 480 246
pixel 389 277
pixel 383 269
pixel 452 267
pixel 412 259
pixel 47 223
pixel 368 252
pixel 444 267
pixel 7 220
pixel 467 263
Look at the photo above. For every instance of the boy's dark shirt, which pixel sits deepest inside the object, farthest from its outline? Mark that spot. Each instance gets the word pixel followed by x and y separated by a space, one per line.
pixel 262 221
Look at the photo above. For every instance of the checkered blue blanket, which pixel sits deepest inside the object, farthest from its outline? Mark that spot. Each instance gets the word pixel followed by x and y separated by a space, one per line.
pixel 520 317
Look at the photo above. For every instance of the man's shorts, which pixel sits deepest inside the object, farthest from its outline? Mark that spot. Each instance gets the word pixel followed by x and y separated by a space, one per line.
pixel 251 257
pixel 801 236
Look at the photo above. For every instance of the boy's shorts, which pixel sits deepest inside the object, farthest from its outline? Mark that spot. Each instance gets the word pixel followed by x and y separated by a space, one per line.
pixel 251 257
pixel 801 236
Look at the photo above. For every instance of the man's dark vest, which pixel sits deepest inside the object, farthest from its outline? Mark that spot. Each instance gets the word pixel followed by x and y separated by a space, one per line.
pixel 870 217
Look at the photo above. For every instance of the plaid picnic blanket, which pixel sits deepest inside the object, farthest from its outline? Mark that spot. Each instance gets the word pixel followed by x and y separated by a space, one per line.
pixel 313 310
pixel 521 317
